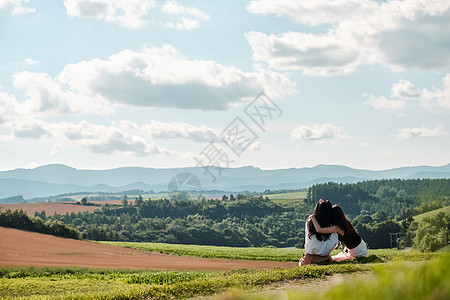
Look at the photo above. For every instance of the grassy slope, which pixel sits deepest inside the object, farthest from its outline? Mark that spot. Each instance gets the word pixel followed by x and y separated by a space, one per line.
pixel 419 218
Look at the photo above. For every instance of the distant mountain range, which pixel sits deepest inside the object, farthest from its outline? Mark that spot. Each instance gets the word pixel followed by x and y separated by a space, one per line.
pixel 58 179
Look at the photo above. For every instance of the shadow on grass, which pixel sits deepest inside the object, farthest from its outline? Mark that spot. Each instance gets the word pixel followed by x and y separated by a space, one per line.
pixel 371 259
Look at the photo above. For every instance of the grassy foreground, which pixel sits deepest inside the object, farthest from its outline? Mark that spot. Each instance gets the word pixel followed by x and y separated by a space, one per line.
pixel 426 280
pixel 250 253
pixel 87 284
pixel 429 280
pixel 79 283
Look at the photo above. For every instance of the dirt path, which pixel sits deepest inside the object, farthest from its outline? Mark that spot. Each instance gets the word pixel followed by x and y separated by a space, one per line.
pixel 23 248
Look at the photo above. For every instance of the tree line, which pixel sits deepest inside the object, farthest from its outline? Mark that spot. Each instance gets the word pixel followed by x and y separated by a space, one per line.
pixel 20 220
pixel 231 221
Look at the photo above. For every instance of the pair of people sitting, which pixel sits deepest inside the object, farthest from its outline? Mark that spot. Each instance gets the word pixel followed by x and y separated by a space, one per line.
pixel 324 229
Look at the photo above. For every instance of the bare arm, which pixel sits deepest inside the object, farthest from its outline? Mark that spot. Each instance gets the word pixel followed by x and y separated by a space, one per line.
pixel 331 229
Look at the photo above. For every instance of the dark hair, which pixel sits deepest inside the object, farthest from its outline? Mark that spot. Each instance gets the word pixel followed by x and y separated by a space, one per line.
pixel 323 213
pixel 340 220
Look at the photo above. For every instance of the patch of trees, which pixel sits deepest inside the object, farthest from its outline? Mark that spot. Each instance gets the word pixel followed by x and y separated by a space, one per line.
pixel 433 232
pixel 20 220
pixel 231 221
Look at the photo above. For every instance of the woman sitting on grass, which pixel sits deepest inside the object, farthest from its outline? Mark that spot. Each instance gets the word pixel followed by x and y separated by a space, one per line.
pixel 318 246
pixel 354 244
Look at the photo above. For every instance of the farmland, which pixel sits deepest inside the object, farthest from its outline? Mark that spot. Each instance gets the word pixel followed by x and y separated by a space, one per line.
pixel 287 198
pixel 60 208
pixel 119 272
pixel 22 248
pixel 50 208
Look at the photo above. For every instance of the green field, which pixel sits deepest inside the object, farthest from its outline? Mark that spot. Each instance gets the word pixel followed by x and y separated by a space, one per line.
pixel 287 198
pixel 419 218
pixel 77 283
pixel 249 253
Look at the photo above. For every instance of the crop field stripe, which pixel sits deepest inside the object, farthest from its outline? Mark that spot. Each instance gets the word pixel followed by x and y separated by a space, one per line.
pixel 247 253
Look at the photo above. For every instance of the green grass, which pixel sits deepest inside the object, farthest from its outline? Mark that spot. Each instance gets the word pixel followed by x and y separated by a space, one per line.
pixel 250 253
pixel 92 284
pixel 419 218
pixel 156 285
pixel 82 283
pixel 287 198
pixel 400 281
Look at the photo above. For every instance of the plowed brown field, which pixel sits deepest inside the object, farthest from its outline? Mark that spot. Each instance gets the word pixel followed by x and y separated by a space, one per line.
pixel 50 208
pixel 23 248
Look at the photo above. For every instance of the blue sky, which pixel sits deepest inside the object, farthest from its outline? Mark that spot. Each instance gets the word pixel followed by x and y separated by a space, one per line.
pixel 98 84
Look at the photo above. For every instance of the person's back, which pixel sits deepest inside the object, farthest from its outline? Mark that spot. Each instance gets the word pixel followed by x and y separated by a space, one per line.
pixel 319 246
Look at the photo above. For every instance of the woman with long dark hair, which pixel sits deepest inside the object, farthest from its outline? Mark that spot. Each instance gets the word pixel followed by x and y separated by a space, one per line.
pixel 354 244
pixel 318 246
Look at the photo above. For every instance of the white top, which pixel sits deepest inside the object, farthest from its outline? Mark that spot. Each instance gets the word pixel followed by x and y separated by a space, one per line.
pixel 314 246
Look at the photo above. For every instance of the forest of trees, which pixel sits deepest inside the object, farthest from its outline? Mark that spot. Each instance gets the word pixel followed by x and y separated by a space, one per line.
pixel 376 208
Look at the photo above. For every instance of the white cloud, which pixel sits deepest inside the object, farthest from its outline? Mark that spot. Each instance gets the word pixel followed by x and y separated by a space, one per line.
pixel 316 132
pixel 17 7
pixel 316 55
pixel 46 96
pixel 30 62
pixel 130 13
pixel 406 92
pixel 162 77
pixel 424 131
pixel 9 108
pixel 382 103
pixel 173 7
pixel 401 34
pixel 190 17
pixel 118 138
pixel 180 130
pixel 183 24
pixel 136 13
pixel 256 146
pixel 32 130
pixel 436 99
pixel 122 137
pixel 312 12
pixel 154 77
